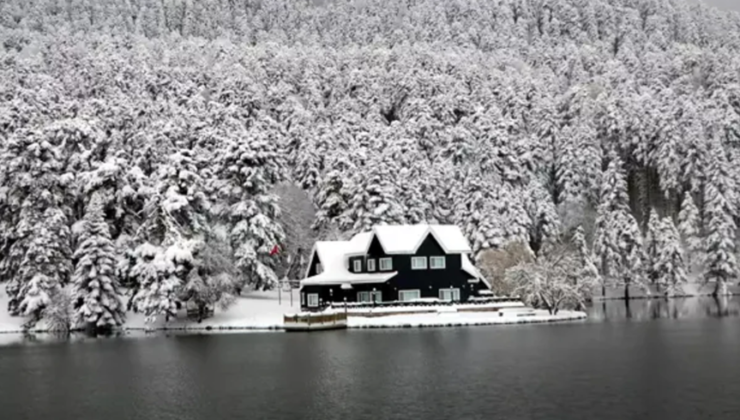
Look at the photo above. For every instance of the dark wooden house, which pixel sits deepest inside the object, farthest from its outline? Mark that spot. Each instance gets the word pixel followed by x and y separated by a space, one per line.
pixel 397 263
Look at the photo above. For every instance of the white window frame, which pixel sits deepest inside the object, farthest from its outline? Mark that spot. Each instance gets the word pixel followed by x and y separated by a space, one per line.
pixel 367 297
pixel 370 265
pixel 303 299
pixel 319 268
pixel 454 296
pixel 415 263
pixel 404 292
pixel 383 266
pixel 357 266
pixel 437 266
pixel 313 300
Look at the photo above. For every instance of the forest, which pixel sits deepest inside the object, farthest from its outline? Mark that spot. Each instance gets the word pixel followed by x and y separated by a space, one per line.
pixel 158 152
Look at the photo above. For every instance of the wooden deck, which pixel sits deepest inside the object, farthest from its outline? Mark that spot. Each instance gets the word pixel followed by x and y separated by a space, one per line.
pixel 315 321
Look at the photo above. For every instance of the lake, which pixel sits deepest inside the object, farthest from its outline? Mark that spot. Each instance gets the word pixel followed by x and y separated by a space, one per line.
pixel 657 360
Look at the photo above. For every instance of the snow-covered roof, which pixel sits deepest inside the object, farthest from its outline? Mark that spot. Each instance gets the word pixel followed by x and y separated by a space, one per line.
pixel 334 266
pixel 395 239
pixel 469 268
pixel 406 239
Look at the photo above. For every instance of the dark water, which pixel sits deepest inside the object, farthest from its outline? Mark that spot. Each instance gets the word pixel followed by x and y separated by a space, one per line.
pixel 679 360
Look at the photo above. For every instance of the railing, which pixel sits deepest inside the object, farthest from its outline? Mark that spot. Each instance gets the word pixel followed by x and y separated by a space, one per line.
pixel 331 318
pixel 410 304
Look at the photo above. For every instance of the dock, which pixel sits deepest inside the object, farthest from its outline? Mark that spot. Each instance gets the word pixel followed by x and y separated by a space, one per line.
pixel 309 321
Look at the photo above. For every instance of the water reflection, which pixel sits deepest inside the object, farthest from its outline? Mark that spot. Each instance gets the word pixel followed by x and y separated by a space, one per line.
pixel 650 309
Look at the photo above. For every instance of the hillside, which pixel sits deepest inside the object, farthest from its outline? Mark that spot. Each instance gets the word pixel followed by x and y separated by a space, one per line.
pixel 173 121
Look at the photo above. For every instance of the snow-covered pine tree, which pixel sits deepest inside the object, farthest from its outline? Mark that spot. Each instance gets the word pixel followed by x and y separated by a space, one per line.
pixel 691 238
pixel 45 265
pixel 249 167
pixel 374 197
pixel 720 265
pixel 157 284
pixel 613 207
pixel 589 274
pixel 669 267
pixel 631 253
pixel 96 291
pixel 544 229
pixel 331 200
pixel 653 244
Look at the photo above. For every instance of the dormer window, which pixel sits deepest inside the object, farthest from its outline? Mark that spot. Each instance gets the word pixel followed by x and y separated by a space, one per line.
pixel 318 268
pixel 386 264
pixel 357 266
pixel 370 264
pixel 418 263
pixel 437 263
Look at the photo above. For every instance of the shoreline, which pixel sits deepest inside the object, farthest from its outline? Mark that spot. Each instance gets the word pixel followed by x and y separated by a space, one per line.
pixel 356 323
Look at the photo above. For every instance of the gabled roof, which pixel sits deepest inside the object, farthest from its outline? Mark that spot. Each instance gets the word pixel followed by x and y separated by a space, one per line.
pixel 395 239
pixel 468 267
pixel 406 239
pixel 334 266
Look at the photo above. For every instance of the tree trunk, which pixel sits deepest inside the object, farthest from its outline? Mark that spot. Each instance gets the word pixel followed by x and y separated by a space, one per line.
pixel 720 288
pixel 627 291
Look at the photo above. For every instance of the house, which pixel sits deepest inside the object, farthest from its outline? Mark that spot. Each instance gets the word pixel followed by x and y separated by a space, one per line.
pixel 391 264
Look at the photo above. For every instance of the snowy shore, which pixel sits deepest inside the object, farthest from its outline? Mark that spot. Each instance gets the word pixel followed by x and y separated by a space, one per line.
pixel 262 311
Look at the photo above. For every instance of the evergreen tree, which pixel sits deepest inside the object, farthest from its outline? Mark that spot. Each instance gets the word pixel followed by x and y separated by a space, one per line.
pixel 545 224
pixel 612 211
pixel 653 244
pixel 96 291
pixel 45 265
pixel 720 265
pixel 158 284
pixel 688 226
pixel 669 267
pixel 249 168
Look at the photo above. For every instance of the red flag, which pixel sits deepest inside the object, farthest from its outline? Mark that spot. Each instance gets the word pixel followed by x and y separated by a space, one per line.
pixel 275 250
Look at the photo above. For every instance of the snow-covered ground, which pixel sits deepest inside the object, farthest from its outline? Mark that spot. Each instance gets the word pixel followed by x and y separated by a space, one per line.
pixel 263 311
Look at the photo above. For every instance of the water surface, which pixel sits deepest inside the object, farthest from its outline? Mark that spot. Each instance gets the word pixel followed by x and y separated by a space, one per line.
pixel 675 360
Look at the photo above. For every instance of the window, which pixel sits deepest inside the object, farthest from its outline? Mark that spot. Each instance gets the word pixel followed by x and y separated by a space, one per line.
pixel 437 263
pixel 368 297
pixel 370 265
pixel 357 266
pixel 313 300
pixel 318 268
pixel 386 264
pixel 449 295
pixel 303 299
pixel 418 263
pixel 407 295
pixel 376 297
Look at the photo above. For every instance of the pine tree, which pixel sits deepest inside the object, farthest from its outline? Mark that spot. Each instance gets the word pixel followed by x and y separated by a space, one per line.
pixel 688 226
pixel 45 265
pixel 247 169
pixel 720 264
pixel 158 284
pixel 613 209
pixel 96 291
pixel 669 267
pixel 632 254
pixel 545 224
pixel 587 275
pixel 653 244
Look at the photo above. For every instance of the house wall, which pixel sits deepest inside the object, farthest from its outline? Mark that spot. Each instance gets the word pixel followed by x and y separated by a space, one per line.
pixel 428 281
pixel 312 267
